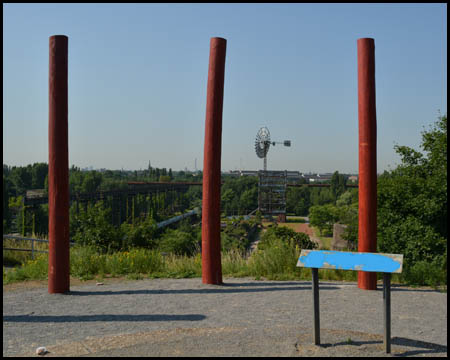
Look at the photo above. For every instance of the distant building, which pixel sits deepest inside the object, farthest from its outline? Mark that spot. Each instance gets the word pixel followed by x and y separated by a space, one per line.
pixel 319 177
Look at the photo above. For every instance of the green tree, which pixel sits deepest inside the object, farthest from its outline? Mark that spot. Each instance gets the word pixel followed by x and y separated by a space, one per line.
pixel 321 196
pixel 412 205
pixel 298 200
pixel 323 217
pixel 91 182
pixel 249 199
pixel 337 186
pixel 38 173
pixel 21 179
pixel 6 212
pixel 94 228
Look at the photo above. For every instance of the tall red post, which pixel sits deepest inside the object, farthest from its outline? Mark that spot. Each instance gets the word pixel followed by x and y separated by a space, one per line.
pixel 58 167
pixel 211 256
pixel 367 222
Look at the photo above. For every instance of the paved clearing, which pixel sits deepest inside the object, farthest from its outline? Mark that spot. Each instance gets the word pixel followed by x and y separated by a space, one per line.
pixel 244 317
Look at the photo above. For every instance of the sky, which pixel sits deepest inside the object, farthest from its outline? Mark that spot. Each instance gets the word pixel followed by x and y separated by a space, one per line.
pixel 138 76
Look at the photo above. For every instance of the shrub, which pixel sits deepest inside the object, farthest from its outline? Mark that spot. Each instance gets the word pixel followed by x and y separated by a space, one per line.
pixel 287 235
pixel 425 273
pixel 95 230
pixel 278 252
pixel 85 262
pixel 239 234
pixel 277 258
pixel 141 234
pixel 179 242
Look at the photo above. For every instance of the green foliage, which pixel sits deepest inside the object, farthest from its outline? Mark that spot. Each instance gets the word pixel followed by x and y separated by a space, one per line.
pixel 274 260
pixel 432 273
pixel 348 215
pixel 140 234
pixel 6 212
pixel 182 266
pixel 164 178
pixel 344 212
pixel 323 217
pixel 287 236
pixel 86 262
pixel 238 235
pixel 412 207
pixel 277 253
pixel 21 179
pixel 321 196
pixel 258 216
pixel 239 195
pixel 337 187
pixel 91 182
pixel 193 197
pixel 40 221
pixel 94 229
pixel 36 269
pixel 298 200
pixel 348 197
pixel 38 173
pixel 180 242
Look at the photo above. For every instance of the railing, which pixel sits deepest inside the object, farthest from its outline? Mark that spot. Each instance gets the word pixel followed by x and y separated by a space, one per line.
pixel 32 244
pixel 177 218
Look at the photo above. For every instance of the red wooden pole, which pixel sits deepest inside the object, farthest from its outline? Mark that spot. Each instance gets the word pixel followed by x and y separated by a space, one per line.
pixel 367 222
pixel 211 256
pixel 58 167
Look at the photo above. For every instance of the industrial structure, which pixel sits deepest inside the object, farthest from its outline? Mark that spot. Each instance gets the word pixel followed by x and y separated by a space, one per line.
pixel 272 194
pixel 272 184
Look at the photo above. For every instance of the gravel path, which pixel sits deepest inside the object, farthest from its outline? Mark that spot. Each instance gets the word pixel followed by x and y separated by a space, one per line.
pixel 244 317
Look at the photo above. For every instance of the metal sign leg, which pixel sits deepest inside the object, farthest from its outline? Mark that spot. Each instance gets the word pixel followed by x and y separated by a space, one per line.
pixel 387 310
pixel 315 286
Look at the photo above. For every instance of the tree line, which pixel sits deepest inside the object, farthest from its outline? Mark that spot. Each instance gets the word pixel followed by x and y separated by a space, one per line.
pixel 239 196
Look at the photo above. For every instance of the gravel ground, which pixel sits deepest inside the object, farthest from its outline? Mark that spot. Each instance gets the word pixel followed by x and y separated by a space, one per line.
pixel 243 317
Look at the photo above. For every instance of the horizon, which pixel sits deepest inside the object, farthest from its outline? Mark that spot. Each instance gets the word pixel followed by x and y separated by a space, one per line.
pixel 91 168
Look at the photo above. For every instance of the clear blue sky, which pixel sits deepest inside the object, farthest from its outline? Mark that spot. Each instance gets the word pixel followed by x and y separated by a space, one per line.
pixel 138 75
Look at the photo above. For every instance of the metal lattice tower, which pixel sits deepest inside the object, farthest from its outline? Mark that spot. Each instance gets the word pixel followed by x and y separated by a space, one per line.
pixel 272 193
pixel 272 184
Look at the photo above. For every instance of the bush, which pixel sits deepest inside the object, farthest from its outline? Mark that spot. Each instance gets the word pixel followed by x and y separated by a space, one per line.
pixel 179 242
pixel 85 262
pixel 278 252
pixel 323 217
pixel 141 234
pixel 94 229
pixel 287 235
pixel 426 273
pixel 277 258
pixel 238 235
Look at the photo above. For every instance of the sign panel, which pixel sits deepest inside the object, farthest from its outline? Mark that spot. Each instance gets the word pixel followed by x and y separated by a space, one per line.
pixel 341 260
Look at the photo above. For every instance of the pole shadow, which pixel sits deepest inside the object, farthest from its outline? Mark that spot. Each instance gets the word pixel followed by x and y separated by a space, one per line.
pixel 227 289
pixel 420 348
pixel 103 317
